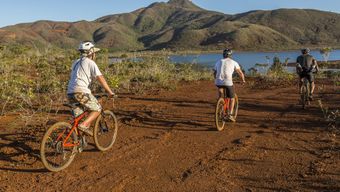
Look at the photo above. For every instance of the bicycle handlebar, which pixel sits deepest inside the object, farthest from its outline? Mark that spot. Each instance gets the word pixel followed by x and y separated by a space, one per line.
pixel 104 95
pixel 100 95
pixel 239 82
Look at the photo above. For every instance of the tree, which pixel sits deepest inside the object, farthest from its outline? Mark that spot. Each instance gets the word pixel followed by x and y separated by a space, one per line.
pixel 325 52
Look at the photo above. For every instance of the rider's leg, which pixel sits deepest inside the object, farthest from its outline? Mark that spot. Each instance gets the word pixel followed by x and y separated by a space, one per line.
pixel 92 116
pixel 92 105
pixel 220 92
pixel 312 84
pixel 300 84
pixel 231 105
pixel 312 87
pixel 230 94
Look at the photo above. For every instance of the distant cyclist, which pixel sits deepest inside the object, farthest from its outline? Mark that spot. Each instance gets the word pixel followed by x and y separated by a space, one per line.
pixel 305 64
pixel 84 71
pixel 223 74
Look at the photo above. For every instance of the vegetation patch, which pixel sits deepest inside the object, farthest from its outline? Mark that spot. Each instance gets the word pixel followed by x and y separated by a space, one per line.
pixel 35 80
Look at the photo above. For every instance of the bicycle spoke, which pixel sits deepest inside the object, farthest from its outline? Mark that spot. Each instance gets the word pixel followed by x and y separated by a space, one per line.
pixel 105 131
pixel 54 154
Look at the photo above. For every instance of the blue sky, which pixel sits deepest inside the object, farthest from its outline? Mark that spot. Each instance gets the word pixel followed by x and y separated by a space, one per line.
pixel 20 11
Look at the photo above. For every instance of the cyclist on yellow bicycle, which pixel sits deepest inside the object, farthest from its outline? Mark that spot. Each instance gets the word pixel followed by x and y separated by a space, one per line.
pixel 305 64
pixel 223 74
pixel 84 70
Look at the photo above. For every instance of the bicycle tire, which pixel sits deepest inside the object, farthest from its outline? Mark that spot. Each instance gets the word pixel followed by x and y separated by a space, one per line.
pixel 102 128
pixel 219 114
pixel 56 147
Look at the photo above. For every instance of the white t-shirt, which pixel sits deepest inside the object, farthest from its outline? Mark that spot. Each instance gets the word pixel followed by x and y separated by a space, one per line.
pixel 83 72
pixel 224 71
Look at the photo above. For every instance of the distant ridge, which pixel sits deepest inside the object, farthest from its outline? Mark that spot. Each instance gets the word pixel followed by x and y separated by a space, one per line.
pixel 182 25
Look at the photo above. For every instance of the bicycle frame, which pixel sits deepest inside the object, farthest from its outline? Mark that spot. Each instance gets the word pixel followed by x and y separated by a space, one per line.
pixel 227 100
pixel 74 124
pixel 226 104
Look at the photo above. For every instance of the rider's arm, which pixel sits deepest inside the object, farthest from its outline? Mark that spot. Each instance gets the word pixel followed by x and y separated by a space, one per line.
pixel 240 73
pixel 298 68
pixel 104 84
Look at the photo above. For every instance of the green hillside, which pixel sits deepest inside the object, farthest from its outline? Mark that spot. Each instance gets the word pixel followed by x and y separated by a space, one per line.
pixel 303 26
pixel 181 25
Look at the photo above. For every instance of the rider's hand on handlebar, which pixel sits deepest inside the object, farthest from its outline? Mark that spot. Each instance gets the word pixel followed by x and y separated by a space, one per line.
pixel 112 95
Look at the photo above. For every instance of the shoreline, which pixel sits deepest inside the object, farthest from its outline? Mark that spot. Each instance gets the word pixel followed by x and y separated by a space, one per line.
pixel 212 51
pixel 332 64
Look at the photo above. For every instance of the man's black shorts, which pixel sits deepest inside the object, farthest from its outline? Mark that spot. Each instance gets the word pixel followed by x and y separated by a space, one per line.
pixel 228 91
pixel 308 75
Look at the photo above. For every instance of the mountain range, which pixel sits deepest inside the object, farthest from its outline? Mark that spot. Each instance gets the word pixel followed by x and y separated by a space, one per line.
pixel 182 25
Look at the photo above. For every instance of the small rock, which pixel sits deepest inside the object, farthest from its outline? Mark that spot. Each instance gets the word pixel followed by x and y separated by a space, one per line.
pixel 303 175
pixel 238 141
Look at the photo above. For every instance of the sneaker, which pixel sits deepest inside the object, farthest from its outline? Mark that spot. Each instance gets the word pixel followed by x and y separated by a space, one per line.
pixel 85 129
pixel 231 118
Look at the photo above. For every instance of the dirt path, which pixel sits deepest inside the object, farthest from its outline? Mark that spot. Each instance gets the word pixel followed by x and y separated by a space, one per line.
pixel 167 142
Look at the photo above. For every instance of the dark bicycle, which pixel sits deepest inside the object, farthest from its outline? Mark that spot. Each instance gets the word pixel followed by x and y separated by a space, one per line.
pixel 305 92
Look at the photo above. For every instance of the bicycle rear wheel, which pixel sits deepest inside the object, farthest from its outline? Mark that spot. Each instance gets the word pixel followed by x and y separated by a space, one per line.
pixel 220 114
pixel 54 155
pixel 105 130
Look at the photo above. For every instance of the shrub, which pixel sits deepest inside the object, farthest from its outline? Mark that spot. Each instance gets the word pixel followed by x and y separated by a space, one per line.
pixel 32 80
pixel 326 52
pixel 331 116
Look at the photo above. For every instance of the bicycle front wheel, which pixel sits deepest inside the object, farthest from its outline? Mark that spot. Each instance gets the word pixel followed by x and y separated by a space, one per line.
pixel 105 130
pixel 54 155
pixel 220 114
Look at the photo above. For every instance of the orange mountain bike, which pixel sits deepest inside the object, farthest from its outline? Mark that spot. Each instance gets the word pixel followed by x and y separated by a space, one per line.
pixel 62 141
pixel 222 111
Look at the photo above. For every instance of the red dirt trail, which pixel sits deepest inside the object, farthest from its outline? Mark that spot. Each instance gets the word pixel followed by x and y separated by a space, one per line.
pixel 167 141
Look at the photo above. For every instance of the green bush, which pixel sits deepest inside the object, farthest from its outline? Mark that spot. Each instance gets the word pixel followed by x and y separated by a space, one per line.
pixel 33 79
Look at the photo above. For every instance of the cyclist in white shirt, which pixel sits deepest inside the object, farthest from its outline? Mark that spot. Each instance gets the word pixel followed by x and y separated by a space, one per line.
pixel 223 74
pixel 84 71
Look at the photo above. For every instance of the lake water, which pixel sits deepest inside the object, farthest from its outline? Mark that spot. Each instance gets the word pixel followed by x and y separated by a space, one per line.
pixel 248 59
